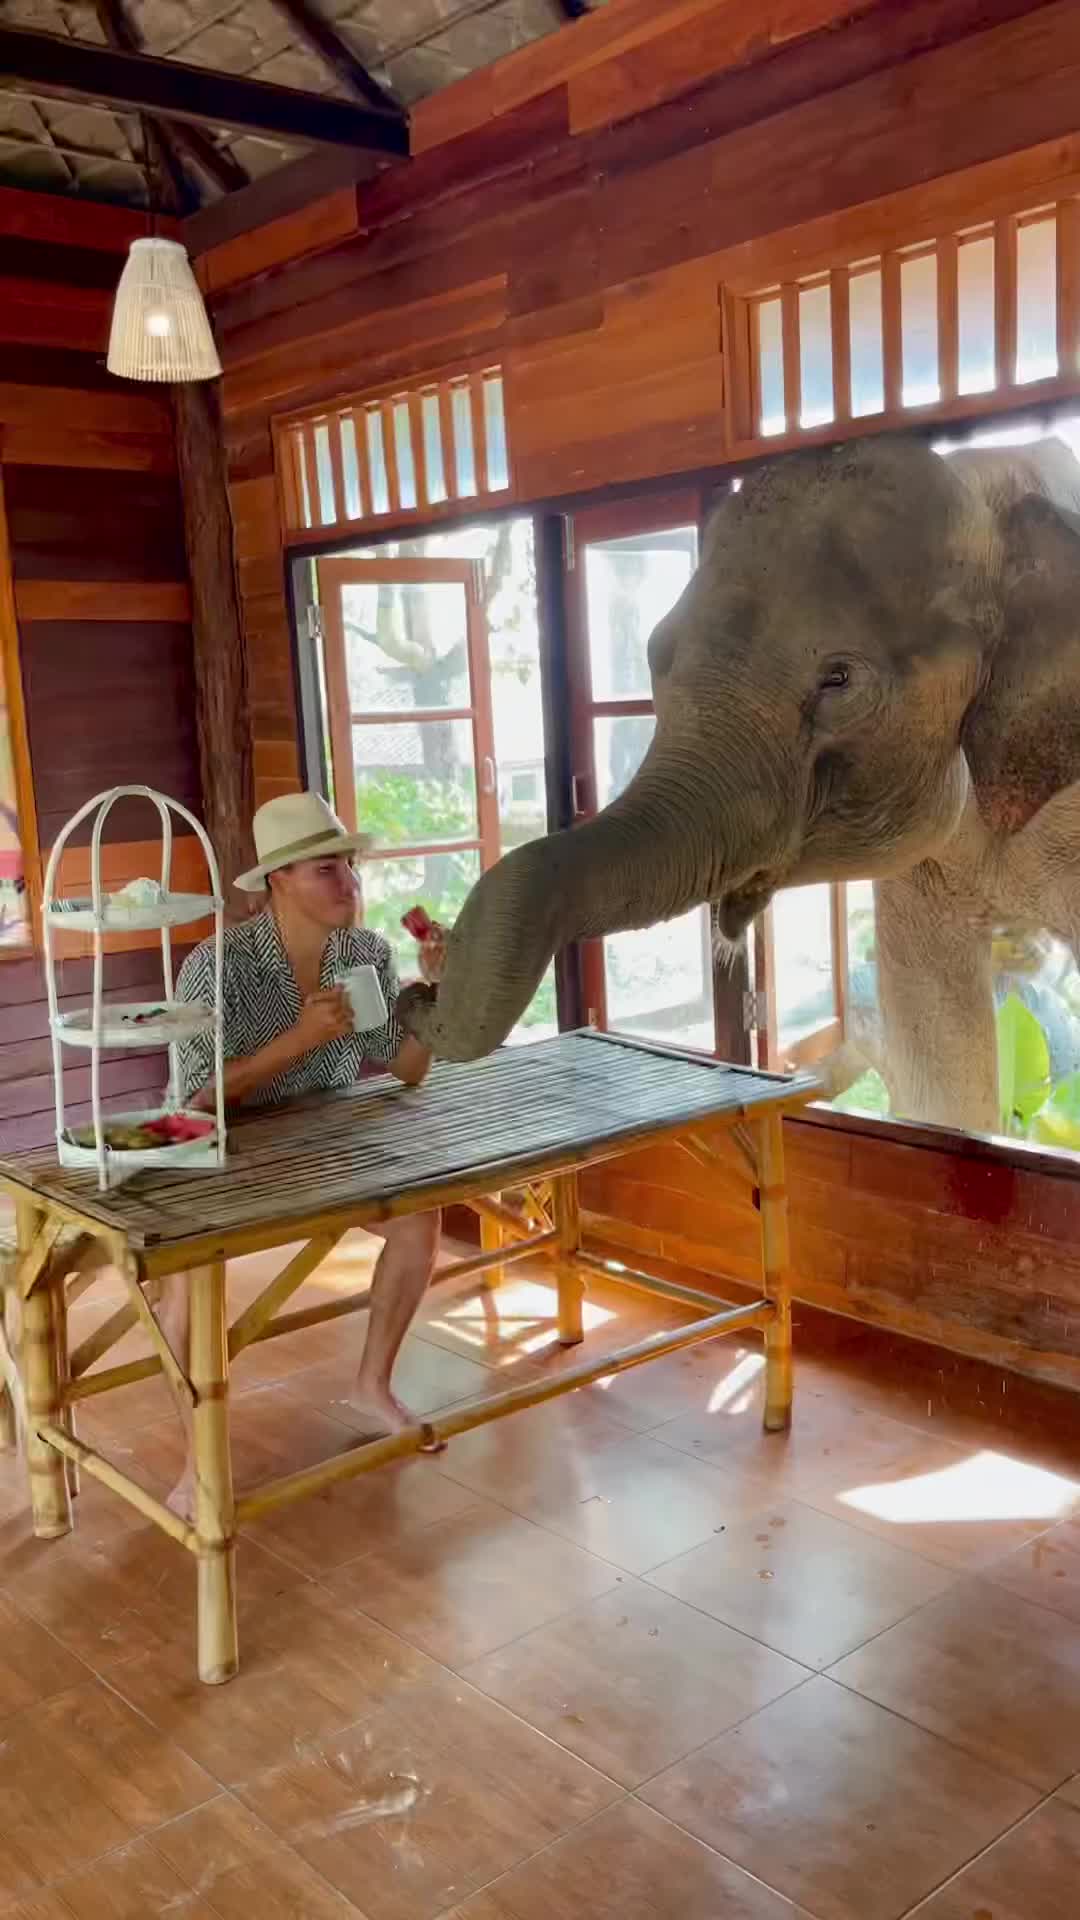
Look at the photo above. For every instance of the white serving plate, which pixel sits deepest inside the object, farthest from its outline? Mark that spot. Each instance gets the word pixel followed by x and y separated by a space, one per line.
pixel 123 916
pixel 122 1161
pixel 178 1020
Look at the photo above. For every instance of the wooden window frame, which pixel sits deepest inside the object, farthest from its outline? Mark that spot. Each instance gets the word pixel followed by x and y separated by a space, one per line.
pixel 25 802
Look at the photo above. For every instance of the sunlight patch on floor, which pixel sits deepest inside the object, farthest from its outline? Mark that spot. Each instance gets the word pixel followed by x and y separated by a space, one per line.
pixel 987 1486
pixel 522 1314
pixel 734 1393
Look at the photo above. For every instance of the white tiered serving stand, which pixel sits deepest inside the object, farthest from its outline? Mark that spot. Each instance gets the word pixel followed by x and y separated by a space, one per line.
pixel 103 1026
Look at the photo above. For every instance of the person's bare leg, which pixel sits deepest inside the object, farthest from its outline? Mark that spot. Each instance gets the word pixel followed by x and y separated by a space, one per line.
pixel 401 1279
pixel 174 1318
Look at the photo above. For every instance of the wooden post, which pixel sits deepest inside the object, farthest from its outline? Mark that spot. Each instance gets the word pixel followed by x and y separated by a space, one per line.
pixel 215 1512
pixel 222 708
pixel 63 1372
pixel 776 1264
pixel 570 1283
pixel 49 1492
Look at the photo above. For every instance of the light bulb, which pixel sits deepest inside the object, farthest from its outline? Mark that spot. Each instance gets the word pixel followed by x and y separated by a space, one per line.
pixel 159 325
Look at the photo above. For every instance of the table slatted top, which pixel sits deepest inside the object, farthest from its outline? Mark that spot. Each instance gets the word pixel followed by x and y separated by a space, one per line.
pixel 524 1110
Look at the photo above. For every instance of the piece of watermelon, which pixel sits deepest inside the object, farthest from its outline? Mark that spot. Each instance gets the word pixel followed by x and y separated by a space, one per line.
pixel 417 922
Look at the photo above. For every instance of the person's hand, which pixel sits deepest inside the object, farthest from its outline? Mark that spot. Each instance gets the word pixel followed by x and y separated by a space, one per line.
pixel 432 954
pixel 326 1016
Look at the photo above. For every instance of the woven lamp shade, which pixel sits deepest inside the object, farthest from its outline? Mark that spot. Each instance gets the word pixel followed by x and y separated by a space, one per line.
pixel 160 329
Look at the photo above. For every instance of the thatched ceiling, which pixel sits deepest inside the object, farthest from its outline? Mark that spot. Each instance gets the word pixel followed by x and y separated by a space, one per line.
pixel 411 47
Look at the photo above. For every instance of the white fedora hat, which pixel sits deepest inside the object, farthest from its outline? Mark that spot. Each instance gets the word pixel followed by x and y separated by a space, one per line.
pixel 297 826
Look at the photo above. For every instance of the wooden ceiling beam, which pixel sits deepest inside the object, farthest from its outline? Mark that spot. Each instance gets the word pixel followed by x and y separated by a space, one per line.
pixel 221 168
pixel 48 63
pixel 333 49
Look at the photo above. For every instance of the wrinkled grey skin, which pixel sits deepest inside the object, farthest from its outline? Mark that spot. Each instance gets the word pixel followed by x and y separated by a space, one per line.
pixel 875 672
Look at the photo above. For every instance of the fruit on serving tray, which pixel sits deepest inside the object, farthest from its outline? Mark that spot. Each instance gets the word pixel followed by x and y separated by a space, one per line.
pixel 144 1136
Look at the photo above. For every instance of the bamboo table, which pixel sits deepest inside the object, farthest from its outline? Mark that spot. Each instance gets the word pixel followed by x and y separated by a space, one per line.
pixel 311 1172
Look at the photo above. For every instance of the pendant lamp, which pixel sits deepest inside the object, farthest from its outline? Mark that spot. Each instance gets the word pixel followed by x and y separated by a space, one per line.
pixel 160 329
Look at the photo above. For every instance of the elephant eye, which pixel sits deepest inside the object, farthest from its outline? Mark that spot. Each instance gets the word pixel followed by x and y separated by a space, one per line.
pixel 835 676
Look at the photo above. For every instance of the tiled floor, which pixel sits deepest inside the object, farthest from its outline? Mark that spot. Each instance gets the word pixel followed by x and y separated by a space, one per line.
pixel 623 1657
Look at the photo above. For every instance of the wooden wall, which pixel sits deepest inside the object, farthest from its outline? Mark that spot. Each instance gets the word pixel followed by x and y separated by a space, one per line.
pixel 96 553
pixel 573 215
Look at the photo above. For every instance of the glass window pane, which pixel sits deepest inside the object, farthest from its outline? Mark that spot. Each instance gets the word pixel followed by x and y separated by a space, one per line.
pixel 351 468
pixel 975 299
pixel 325 475
pixel 302 470
pixel 416 782
pixel 815 355
pixel 918 322
pixel 406 645
pixel 802 959
pixel 770 360
pixel 403 450
pixel 659 982
pixel 380 486
pixel 864 314
pixel 434 469
pixel 498 465
pixel 620 747
pixel 629 586
pixel 461 408
pixel 1036 301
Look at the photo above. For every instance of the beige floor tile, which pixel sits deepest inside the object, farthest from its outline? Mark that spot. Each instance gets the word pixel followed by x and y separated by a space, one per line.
pixel 628 1864
pixel 49 1906
pixel 545 1455
pixel 134 1883
pixel 426 1378
pixel 33 1665
pixel 320 1534
pixel 1045 1570
pixel 719 1374
pixel 634 1681
pixel 243 1870
pixel 426 1800
pixel 963 1507
pixel 81 1775
pixel 801 1582
pixel 831 1445
pixel 1031 1874
pixel 309 1665
pixel 467 1585
pixel 990 1673
pixel 273 1432
pixel 839 1805
pixel 514 1327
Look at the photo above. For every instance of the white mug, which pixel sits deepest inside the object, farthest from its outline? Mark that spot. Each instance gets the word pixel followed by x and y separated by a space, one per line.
pixel 365 996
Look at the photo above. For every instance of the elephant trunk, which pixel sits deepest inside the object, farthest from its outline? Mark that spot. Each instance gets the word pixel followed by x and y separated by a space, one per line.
pixel 654 853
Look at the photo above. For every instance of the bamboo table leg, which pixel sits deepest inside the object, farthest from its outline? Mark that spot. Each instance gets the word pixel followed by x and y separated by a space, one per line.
pixel 776 1262
pixel 215 1511
pixel 570 1283
pixel 50 1494
pixel 491 1237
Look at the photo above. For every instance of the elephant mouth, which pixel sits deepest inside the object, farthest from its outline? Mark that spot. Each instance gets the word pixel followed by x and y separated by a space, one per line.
pixel 736 909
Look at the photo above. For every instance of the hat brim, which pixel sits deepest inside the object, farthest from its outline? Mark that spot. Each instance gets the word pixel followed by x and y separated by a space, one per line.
pixel 255 880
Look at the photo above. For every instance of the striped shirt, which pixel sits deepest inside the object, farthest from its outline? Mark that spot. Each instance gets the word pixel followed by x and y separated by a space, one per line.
pixel 260 1000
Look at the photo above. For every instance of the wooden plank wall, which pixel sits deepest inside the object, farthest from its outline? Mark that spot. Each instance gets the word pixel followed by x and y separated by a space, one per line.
pixel 573 214
pixel 101 601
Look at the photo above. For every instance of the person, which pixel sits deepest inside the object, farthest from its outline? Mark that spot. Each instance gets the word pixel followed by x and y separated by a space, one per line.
pixel 289 1031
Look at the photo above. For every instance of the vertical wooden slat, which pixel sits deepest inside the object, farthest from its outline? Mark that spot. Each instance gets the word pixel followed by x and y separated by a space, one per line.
pixel 479 431
pixel 287 449
pixel 1068 285
pixel 363 460
pixel 892 333
pixel 1005 301
pixel 789 321
pixel 416 435
pixel 737 368
pixel 11 682
pixel 948 316
pixel 311 474
pixel 449 447
pixel 840 322
pixel 393 478
pixel 333 429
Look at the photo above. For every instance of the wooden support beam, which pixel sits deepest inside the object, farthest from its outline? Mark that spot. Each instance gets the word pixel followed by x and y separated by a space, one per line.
pixel 219 166
pixel 324 40
pixel 222 707
pixel 51 63
pixel 101 1469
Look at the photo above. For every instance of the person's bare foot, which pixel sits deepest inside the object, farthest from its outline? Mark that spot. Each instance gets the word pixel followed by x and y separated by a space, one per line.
pixel 382 1409
pixel 181 1500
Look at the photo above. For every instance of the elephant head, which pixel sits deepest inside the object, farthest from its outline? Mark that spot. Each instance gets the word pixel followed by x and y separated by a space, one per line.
pixel 810 686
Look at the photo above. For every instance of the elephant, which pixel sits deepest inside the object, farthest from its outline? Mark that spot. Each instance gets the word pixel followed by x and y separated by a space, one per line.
pixel 874 673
